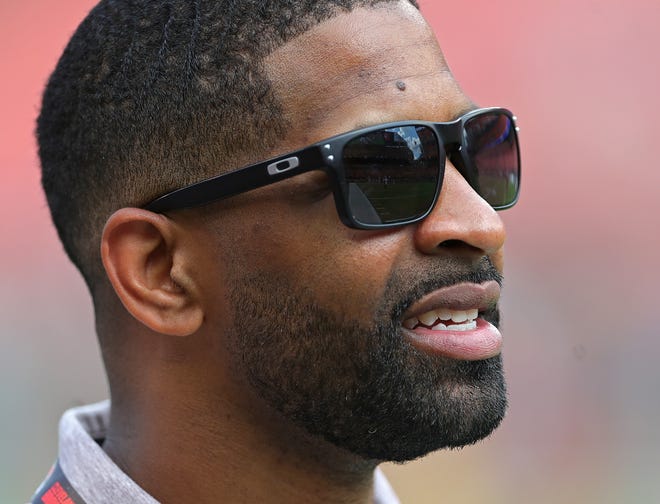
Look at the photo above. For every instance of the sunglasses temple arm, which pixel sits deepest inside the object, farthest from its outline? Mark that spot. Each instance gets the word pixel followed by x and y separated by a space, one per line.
pixel 239 181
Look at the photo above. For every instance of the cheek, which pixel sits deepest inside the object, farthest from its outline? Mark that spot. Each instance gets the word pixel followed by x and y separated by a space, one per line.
pixel 357 273
pixel 342 269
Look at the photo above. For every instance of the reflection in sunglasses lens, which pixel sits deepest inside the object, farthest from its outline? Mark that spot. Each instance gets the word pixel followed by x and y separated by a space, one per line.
pixel 392 174
pixel 492 151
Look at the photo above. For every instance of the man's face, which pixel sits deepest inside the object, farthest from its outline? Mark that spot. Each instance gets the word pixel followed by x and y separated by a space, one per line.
pixel 316 312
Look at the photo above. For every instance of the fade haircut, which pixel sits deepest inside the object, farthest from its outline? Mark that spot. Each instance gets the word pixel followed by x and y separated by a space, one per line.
pixel 152 95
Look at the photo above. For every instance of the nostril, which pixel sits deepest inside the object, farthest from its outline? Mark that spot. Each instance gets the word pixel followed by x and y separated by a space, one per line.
pixel 452 244
pixel 457 245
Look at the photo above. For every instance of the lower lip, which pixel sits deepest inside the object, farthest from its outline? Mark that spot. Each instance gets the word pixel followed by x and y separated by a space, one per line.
pixel 481 343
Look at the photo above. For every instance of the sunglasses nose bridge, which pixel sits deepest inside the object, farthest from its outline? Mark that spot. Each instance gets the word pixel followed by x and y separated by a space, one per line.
pixel 452 148
pixel 453 154
pixel 449 134
pixel 450 137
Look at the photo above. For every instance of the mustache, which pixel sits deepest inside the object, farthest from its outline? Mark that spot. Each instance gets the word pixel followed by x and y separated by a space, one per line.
pixel 407 285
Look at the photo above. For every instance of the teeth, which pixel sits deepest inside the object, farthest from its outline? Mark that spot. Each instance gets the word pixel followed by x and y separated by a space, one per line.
pixel 463 320
pixel 467 326
pixel 428 318
pixel 459 316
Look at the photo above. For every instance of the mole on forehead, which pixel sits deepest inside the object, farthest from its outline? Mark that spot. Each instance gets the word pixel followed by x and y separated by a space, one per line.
pixel 308 74
pixel 359 64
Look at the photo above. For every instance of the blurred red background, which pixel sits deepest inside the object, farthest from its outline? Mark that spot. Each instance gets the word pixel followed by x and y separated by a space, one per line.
pixel 581 339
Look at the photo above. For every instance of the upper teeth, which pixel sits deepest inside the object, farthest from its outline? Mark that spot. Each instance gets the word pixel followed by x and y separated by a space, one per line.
pixel 434 319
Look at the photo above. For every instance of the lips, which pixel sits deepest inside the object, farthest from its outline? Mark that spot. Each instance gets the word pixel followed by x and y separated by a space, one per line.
pixel 449 322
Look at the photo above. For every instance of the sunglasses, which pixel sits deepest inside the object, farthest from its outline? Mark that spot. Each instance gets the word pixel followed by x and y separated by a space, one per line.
pixel 386 175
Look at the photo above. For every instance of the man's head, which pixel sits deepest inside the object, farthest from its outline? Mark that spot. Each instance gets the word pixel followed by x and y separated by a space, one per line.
pixel 275 300
pixel 149 96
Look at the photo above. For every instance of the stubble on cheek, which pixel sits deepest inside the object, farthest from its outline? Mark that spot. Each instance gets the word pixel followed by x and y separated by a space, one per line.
pixel 343 270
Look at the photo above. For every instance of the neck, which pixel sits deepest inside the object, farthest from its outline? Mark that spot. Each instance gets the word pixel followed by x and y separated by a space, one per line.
pixel 191 446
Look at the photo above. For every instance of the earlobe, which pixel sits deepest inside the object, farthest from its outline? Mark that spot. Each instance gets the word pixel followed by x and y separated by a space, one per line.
pixel 140 255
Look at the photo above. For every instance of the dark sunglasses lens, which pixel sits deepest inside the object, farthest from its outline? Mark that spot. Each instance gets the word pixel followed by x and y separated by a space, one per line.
pixel 392 174
pixel 492 151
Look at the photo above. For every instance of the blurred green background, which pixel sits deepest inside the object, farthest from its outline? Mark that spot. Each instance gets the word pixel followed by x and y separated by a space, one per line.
pixel 581 273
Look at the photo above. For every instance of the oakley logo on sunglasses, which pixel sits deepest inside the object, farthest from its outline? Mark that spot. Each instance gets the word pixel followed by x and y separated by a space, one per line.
pixel 389 174
pixel 282 166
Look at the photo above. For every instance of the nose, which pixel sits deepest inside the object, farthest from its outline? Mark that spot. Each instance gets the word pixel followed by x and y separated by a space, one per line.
pixel 461 221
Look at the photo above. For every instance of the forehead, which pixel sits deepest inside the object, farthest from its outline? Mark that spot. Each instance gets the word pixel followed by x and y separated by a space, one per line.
pixel 346 72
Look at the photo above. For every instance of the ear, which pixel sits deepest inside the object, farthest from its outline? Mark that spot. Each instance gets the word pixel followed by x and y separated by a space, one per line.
pixel 146 267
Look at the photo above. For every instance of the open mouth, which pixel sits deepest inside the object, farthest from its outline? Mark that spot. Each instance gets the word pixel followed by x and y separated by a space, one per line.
pixel 444 319
pixel 454 322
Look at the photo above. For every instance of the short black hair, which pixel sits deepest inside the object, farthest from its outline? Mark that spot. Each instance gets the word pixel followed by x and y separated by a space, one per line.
pixel 153 95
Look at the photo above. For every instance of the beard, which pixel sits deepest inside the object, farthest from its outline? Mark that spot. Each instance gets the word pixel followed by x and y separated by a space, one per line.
pixel 360 384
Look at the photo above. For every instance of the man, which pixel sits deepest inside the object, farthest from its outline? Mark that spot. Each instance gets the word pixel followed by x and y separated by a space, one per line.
pixel 272 334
